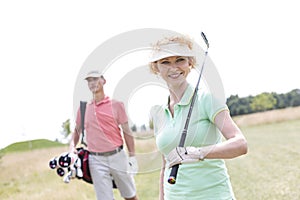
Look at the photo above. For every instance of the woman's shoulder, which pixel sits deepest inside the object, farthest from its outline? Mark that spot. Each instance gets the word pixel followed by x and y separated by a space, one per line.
pixel 204 95
pixel 209 96
pixel 156 109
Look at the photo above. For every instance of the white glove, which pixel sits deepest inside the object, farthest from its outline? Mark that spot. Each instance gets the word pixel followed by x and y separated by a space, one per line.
pixel 181 155
pixel 133 165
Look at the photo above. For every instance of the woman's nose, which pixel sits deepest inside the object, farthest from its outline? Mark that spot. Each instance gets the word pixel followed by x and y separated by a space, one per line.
pixel 173 65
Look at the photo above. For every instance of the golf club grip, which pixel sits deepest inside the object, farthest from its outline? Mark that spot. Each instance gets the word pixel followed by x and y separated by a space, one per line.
pixel 173 174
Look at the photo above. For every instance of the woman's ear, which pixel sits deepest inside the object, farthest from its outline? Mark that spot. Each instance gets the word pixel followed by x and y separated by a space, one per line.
pixel 192 62
pixel 154 68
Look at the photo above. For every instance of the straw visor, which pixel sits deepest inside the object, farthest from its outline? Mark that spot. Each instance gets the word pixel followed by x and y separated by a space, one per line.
pixel 172 49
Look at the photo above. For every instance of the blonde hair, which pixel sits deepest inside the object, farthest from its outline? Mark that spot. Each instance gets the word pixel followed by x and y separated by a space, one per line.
pixel 180 39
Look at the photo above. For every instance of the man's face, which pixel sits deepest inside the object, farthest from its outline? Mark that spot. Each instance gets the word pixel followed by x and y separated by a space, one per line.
pixel 95 84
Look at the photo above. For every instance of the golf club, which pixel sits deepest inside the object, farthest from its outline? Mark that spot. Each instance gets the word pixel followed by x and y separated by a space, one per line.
pixel 173 174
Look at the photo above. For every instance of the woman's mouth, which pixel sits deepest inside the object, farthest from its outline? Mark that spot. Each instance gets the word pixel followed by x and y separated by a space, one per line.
pixel 175 75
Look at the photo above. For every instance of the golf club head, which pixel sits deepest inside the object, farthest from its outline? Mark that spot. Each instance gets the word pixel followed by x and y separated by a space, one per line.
pixel 205 39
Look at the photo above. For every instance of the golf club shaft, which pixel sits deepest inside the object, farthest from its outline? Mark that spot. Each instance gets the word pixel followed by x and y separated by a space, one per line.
pixel 174 171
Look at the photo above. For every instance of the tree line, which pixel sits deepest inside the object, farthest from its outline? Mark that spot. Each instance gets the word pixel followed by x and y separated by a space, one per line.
pixel 262 102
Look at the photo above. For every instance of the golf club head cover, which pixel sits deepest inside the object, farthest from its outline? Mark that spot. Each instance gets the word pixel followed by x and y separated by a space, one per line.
pixel 60 171
pixel 53 163
pixel 69 162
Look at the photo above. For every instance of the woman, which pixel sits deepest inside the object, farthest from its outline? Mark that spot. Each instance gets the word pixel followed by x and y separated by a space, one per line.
pixel 202 173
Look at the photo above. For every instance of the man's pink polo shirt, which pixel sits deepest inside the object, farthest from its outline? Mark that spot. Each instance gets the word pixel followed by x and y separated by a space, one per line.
pixel 102 122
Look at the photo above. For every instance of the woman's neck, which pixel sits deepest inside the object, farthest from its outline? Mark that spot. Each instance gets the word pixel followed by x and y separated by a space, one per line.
pixel 176 92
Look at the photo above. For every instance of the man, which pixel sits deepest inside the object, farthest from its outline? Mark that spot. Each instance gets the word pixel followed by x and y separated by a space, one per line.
pixel 107 159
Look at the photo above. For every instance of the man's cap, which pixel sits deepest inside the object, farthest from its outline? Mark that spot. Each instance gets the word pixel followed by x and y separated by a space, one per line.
pixel 93 74
pixel 172 49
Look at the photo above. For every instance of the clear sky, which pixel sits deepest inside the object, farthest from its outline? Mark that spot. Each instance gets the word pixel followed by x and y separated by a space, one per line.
pixel 43 44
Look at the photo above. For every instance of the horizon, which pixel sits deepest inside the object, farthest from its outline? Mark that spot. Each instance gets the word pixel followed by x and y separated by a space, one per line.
pixel 261 120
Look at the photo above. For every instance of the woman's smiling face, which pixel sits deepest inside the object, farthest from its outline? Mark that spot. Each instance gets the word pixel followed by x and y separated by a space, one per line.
pixel 173 69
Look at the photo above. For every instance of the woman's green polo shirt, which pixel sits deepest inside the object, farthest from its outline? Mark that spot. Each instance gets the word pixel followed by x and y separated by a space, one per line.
pixel 206 179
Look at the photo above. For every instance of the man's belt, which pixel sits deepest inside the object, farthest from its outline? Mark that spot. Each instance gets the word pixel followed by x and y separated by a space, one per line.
pixel 108 153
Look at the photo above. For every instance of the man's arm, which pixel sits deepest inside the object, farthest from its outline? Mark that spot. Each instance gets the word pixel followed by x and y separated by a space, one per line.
pixel 129 140
pixel 75 139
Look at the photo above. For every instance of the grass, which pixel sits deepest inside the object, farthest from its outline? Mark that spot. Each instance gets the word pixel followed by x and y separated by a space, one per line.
pixel 269 171
pixel 30 145
pixel 271 168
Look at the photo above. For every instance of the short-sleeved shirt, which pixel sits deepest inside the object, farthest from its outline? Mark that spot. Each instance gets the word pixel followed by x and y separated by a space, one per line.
pixel 206 179
pixel 102 120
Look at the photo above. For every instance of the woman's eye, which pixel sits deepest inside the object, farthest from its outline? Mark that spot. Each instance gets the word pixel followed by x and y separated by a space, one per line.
pixel 165 62
pixel 180 60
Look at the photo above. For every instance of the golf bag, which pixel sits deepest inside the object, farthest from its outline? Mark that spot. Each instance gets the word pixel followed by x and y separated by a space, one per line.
pixel 83 155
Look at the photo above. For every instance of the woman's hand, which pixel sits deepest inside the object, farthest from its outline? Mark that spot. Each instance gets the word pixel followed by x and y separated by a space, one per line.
pixel 181 155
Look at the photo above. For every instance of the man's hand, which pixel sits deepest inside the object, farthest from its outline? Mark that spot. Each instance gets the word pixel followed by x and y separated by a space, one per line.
pixel 72 149
pixel 181 155
pixel 133 167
